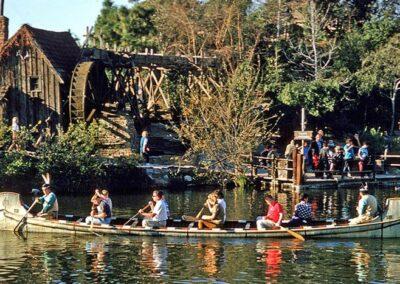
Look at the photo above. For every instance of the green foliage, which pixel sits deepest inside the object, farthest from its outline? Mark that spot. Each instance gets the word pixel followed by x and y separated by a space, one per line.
pixel 126 27
pixel 318 97
pixel 16 164
pixel 379 140
pixel 72 156
pixel 5 136
pixel 381 68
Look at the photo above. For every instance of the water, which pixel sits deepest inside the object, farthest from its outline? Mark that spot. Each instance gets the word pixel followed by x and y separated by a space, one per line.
pixel 111 259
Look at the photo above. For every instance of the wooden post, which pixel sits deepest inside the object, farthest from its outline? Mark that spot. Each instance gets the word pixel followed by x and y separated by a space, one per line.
pixel 294 166
pixel 299 169
pixel 251 165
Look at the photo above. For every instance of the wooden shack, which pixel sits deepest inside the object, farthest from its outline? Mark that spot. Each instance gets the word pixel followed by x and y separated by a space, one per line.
pixel 35 71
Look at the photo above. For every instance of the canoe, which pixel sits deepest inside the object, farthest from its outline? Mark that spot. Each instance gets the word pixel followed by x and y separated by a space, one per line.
pixel 11 212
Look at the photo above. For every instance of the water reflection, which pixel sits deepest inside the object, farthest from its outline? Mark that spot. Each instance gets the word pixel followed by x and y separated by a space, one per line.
pixel 271 255
pixel 154 256
pixel 361 260
pixel 89 259
pixel 211 254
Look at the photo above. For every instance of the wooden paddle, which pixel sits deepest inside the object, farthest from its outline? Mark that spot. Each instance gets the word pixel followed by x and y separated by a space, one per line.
pixel 26 214
pixel 91 228
pixel 294 234
pixel 134 216
pixel 191 218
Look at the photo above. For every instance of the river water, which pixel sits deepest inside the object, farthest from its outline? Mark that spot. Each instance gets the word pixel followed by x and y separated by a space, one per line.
pixel 45 258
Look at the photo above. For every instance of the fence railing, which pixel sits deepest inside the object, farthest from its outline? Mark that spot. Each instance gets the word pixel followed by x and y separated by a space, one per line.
pixel 296 171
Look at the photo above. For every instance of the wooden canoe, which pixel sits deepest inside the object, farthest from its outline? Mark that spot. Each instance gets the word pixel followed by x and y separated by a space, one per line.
pixel 11 212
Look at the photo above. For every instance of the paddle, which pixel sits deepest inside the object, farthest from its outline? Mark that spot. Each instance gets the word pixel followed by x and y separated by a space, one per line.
pixel 26 214
pixel 294 234
pixel 91 228
pixel 191 218
pixel 134 216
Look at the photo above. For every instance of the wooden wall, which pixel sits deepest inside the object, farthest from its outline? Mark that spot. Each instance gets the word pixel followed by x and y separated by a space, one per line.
pixel 18 71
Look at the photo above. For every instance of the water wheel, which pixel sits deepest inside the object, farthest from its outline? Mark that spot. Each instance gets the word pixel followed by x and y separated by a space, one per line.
pixel 87 92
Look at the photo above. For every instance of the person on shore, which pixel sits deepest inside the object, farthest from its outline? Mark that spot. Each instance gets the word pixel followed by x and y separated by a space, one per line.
pixel 324 160
pixel 290 149
pixel 331 156
pixel 313 154
pixel 304 150
pixel 348 156
pixel 367 208
pixel 302 213
pixel 14 135
pixel 338 159
pixel 364 156
pixel 320 141
pixel 101 212
pixel 274 215
pixel 144 148
pixel 49 202
pixel 217 217
pixel 159 214
pixel 264 153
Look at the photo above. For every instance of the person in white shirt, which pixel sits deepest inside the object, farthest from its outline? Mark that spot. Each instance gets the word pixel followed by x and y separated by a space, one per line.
pixel 15 131
pixel 221 202
pixel 158 215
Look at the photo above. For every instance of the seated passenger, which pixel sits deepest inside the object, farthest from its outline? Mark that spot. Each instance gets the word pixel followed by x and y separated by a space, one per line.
pixel 101 212
pixel 302 213
pixel 49 201
pixel 367 208
pixel 274 215
pixel 217 217
pixel 159 213
pixel 104 195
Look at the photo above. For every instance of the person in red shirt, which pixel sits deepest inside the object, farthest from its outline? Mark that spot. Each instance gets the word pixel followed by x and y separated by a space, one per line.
pixel 274 215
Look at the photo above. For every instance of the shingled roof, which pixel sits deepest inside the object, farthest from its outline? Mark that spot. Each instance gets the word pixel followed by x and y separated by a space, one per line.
pixel 59 48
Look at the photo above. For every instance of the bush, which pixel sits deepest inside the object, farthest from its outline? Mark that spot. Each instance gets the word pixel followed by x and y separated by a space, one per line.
pixel 71 158
pixel 16 164
pixel 5 135
pixel 379 140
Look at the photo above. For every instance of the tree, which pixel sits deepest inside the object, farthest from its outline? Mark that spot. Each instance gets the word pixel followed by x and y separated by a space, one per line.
pixel 380 73
pixel 229 123
pixel 126 27
pixel 310 55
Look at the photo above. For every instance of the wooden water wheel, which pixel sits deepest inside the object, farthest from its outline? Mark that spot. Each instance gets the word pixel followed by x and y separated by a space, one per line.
pixel 87 93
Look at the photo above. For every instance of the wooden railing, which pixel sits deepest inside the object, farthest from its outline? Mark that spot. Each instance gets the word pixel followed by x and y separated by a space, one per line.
pixel 277 169
pixel 294 170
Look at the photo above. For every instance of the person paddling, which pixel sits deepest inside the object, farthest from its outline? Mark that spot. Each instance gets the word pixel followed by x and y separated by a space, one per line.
pixel 217 217
pixel 302 213
pixel 100 213
pixel 159 214
pixel 49 201
pixel 274 215
pixel 221 202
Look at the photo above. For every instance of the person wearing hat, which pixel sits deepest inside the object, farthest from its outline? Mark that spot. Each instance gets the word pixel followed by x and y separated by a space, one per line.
pixel 49 201
pixel 367 208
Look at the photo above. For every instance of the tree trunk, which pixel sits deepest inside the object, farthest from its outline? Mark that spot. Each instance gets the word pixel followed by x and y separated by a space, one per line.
pixel 393 99
pixel 313 37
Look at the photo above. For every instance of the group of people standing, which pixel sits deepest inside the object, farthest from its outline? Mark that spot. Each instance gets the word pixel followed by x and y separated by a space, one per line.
pixel 326 158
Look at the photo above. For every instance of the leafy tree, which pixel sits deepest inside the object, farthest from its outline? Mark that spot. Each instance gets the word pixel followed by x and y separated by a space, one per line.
pixel 380 73
pixel 229 123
